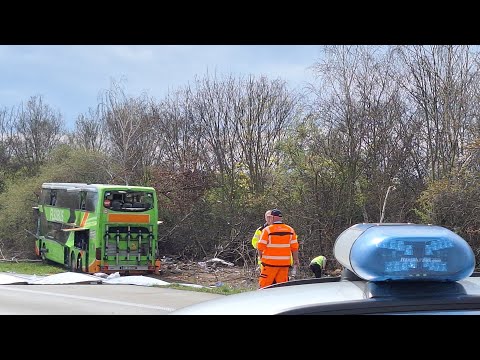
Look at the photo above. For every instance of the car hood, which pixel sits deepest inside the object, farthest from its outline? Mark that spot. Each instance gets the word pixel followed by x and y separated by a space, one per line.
pixel 276 300
pixel 269 301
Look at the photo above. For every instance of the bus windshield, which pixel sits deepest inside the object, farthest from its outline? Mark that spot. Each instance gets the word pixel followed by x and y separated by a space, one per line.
pixel 125 200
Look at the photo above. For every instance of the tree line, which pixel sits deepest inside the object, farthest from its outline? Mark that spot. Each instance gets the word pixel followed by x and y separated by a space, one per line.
pixel 381 133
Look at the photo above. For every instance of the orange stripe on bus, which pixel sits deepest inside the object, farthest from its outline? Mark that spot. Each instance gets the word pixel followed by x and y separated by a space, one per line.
pixel 123 218
pixel 84 219
pixel 94 266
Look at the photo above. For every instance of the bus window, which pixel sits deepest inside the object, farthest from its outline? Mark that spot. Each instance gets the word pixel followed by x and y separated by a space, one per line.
pixel 91 201
pixel 83 200
pixel 53 197
pixel 45 197
pixel 67 199
pixel 117 202
pixel 128 200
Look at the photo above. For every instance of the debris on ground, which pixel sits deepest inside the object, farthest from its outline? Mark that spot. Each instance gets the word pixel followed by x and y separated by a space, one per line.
pixel 217 272
pixel 212 272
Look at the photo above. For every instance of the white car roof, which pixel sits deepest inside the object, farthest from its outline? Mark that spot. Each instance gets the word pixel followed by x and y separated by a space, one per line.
pixel 273 300
pixel 270 301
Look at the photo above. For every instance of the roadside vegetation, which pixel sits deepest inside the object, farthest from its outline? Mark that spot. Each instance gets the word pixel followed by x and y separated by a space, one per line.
pixel 30 268
pixel 222 290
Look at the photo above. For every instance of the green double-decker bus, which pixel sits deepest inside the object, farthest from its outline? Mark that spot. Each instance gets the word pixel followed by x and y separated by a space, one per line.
pixel 94 228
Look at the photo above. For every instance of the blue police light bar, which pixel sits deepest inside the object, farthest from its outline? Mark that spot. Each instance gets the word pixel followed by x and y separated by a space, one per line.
pixel 404 252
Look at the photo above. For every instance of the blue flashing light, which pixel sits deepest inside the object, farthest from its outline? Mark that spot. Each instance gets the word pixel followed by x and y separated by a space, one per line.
pixel 404 252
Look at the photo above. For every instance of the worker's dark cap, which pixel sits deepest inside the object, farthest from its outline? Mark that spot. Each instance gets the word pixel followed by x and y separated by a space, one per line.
pixel 276 212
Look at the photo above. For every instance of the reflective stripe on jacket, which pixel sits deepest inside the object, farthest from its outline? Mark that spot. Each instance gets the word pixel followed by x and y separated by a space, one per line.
pixel 276 243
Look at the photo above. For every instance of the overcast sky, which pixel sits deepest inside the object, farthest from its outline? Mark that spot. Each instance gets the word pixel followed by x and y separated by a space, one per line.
pixel 71 77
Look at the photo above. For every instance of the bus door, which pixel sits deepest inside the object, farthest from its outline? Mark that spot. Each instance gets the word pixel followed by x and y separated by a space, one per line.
pixel 81 241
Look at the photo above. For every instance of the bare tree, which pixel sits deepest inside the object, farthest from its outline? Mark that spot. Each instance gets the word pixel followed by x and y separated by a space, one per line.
pixel 6 151
pixel 441 81
pixel 213 102
pixel 264 111
pixel 181 141
pixel 37 130
pixel 128 123
pixel 6 132
pixel 350 145
pixel 88 133
pixel 340 114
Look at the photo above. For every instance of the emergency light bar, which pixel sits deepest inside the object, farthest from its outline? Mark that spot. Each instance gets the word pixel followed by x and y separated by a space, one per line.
pixel 404 252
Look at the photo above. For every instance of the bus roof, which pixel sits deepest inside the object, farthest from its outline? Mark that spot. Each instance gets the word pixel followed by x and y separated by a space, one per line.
pixel 92 187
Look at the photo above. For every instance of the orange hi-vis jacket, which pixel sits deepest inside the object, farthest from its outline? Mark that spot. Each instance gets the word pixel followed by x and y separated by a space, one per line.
pixel 276 243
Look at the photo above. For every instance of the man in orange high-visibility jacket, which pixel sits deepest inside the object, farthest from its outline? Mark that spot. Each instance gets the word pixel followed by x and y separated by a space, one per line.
pixel 277 244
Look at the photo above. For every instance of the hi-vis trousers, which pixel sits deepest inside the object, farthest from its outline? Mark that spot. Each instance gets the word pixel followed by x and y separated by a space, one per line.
pixel 270 274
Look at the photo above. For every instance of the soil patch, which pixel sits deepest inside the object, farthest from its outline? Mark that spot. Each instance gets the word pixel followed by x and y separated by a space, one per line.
pixel 216 272
pixel 212 273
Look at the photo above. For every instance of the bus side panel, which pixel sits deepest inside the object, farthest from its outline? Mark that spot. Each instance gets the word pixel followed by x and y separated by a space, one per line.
pixel 52 238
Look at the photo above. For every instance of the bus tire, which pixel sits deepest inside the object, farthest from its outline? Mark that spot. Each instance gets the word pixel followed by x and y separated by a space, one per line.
pixel 43 256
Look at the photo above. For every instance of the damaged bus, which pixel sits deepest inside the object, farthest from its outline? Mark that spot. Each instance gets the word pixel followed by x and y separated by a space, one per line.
pixel 95 228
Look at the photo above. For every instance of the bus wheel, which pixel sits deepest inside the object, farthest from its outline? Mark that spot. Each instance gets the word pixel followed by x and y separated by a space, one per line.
pixel 42 254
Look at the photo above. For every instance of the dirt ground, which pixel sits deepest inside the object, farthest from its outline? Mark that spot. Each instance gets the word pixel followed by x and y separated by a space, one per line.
pixel 215 272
